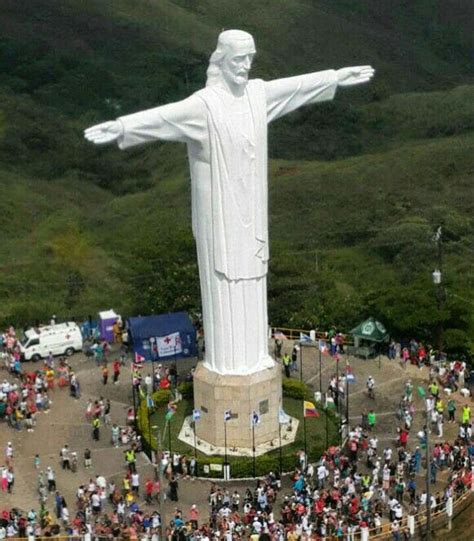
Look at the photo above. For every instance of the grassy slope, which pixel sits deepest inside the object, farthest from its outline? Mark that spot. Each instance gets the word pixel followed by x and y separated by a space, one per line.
pixel 85 228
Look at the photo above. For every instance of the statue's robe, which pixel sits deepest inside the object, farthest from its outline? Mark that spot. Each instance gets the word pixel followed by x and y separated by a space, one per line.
pixel 226 138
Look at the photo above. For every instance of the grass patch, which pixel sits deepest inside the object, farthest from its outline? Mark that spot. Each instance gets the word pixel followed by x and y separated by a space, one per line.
pixel 243 466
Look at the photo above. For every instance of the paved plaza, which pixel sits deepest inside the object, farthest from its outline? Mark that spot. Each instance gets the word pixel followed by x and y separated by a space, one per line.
pixel 66 423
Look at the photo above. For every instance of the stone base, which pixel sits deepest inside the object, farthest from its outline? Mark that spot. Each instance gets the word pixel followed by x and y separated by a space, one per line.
pixel 215 393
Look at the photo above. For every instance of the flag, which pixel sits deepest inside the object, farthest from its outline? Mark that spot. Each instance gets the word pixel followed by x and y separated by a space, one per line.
pixel 227 415
pixel 323 347
pixel 196 415
pixel 349 375
pixel 171 411
pixel 283 418
pixel 149 402
pixel 309 409
pixel 254 419
pixel 278 335
pixel 421 391
pixel 139 359
pixel 304 337
pixel 169 344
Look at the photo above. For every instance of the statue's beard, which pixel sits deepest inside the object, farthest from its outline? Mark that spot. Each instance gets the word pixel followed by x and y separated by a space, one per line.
pixel 240 79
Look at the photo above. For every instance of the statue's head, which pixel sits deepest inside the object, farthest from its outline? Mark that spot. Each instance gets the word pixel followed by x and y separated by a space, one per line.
pixel 232 58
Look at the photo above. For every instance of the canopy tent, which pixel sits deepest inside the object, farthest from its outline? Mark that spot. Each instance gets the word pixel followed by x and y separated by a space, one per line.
pixel 163 337
pixel 371 330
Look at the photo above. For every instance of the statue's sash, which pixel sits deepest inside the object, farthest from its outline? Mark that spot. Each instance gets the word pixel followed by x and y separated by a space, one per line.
pixel 226 194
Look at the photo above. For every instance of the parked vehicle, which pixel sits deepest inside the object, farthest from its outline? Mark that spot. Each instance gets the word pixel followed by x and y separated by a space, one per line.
pixel 60 339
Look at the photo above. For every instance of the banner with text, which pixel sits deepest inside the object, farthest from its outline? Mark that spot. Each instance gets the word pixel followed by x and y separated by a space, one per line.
pixel 169 345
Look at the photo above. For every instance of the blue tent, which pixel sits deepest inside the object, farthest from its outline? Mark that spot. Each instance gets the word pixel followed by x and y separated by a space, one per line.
pixel 163 338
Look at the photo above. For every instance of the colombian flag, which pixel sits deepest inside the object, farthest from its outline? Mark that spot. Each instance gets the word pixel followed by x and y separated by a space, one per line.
pixel 309 409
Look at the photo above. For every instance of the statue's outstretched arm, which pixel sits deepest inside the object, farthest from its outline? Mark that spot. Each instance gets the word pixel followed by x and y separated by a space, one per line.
pixel 181 121
pixel 355 75
pixel 104 133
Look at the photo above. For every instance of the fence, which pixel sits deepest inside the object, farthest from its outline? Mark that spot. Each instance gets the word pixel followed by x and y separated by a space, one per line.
pixel 295 334
pixel 416 523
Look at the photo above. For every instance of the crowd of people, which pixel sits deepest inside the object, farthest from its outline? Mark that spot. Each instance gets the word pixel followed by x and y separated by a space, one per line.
pixel 362 485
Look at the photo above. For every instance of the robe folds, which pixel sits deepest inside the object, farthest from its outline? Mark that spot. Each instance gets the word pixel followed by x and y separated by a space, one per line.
pixel 226 138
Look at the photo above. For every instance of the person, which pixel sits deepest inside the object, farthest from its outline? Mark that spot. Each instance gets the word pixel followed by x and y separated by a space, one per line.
pixel 286 364
pixel 371 417
pixel 149 487
pixel 130 459
pixel 74 462
pixel 95 428
pixel 294 358
pixel 105 374
pixel 107 408
pixel 371 387
pixel 64 455
pixel 452 410
pixel 466 414
pixel 116 371
pixel 278 346
pixel 173 489
pixel 194 516
pixel 225 128
pixel 115 435
pixel 51 478
pixel 87 458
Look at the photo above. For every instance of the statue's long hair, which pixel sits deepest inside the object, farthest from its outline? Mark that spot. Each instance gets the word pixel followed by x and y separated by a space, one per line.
pixel 214 72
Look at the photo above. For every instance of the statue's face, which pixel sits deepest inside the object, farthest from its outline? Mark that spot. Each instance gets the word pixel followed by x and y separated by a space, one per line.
pixel 237 62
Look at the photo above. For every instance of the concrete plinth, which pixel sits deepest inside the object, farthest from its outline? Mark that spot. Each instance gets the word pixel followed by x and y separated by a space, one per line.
pixel 214 393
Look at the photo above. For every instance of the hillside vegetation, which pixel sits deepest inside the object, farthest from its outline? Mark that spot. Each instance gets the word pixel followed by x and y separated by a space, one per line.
pixel 358 186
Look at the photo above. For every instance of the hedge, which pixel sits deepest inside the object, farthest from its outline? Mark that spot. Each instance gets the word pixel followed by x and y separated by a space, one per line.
pixel 294 393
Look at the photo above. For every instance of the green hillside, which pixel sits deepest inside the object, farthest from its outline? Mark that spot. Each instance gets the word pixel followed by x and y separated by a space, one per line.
pixel 358 186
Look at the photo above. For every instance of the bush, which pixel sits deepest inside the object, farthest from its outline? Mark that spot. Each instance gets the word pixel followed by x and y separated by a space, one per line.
pixel 161 397
pixel 186 389
pixel 296 389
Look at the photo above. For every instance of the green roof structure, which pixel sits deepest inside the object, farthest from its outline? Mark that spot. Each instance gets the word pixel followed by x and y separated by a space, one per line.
pixel 371 330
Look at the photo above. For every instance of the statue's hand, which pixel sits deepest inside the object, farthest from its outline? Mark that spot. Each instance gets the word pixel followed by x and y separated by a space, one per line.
pixel 104 133
pixel 355 75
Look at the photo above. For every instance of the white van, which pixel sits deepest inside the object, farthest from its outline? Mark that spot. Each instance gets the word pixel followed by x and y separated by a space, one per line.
pixel 60 339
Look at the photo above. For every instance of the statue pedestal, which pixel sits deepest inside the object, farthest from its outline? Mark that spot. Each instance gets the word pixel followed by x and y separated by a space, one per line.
pixel 215 393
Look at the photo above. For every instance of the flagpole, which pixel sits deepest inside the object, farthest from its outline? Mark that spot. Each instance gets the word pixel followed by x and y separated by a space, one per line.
pixel 175 365
pixel 320 374
pixel 149 429
pixel 253 447
pixel 195 446
pixel 327 423
pixel 134 398
pixel 347 396
pixel 301 361
pixel 169 435
pixel 279 448
pixel 225 445
pixel 304 432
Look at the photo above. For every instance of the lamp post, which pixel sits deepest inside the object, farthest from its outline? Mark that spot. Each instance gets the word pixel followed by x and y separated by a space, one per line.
pixel 159 471
pixel 428 472
pixel 437 279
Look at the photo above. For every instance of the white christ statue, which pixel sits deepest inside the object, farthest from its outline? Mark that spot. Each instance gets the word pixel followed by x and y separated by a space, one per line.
pixel 225 129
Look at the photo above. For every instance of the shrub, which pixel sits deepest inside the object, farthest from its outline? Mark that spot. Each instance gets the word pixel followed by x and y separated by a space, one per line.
pixel 161 397
pixel 296 389
pixel 186 389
